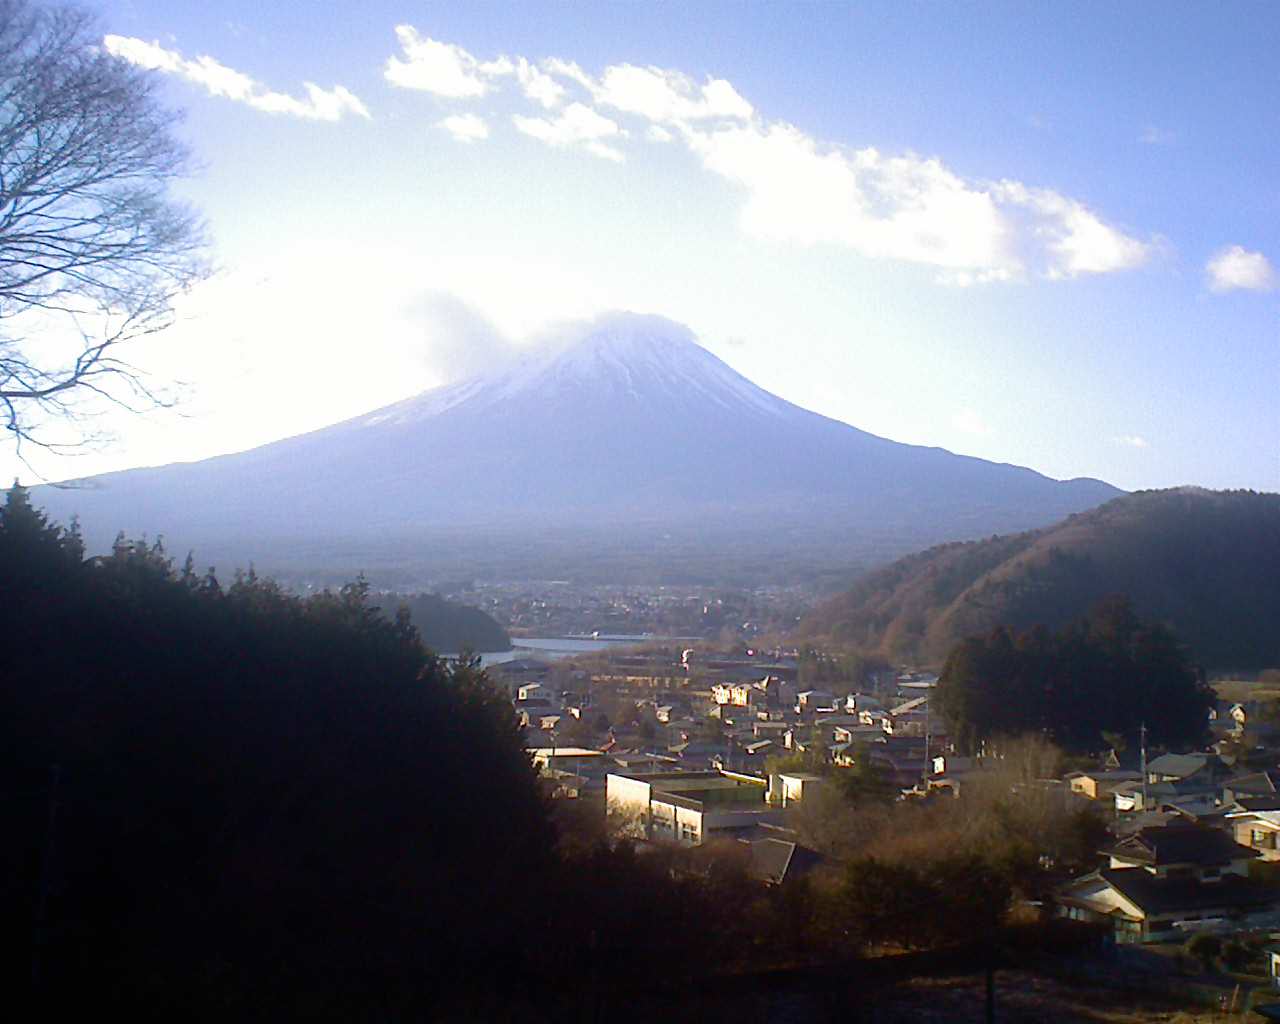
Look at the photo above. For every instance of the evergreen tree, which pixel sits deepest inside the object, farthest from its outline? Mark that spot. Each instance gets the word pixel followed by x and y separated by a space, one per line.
pixel 1110 672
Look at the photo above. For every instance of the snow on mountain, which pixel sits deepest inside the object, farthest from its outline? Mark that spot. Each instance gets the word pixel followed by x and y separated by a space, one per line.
pixel 624 421
pixel 641 358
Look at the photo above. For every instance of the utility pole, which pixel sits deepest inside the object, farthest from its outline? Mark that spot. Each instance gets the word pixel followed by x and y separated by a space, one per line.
pixel 928 764
pixel 1142 742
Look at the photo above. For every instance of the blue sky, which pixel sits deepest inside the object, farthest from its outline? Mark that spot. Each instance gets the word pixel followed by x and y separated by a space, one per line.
pixel 1041 234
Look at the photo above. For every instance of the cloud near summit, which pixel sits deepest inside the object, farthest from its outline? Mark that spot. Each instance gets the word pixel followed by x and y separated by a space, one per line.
pixel 795 188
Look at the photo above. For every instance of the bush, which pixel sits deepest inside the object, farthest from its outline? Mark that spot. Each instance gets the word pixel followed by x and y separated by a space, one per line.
pixel 1204 948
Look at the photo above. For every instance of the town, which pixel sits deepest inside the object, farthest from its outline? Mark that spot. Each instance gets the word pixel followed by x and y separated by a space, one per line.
pixel 703 747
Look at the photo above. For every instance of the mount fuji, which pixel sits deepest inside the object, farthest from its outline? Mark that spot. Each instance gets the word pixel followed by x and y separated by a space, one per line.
pixel 626 429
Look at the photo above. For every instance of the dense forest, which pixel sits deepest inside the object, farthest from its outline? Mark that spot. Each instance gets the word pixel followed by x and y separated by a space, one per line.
pixel 234 792
pixel 1204 563
pixel 1109 672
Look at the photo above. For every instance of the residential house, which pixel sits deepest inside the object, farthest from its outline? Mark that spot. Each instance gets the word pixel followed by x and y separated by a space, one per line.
pixel 1204 769
pixel 813 701
pixel 1255 784
pixel 1101 784
pixel 738 695
pixel 1165 881
pixel 528 690
pixel 901 758
pixel 1257 830
pixel 1134 795
pixel 672 711
pixel 770 730
pixel 856 702
pixel 1173 779
pixel 855 733
pixel 909 719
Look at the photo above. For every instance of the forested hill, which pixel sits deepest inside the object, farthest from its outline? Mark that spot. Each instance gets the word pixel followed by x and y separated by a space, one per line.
pixel 1206 563
pixel 449 628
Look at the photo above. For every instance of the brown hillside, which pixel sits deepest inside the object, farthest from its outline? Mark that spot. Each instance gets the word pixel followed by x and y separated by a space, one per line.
pixel 1206 563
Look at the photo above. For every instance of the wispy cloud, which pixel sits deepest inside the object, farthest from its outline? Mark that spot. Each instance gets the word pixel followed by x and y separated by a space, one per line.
pixel 466 127
pixel 1132 441
pixel 1235 267
pixel 219 80
pixel 796 188
pixel 577 124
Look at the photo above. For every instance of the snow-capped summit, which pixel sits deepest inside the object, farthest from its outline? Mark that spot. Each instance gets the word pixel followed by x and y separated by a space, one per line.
pixel 623 420
pixel 617 357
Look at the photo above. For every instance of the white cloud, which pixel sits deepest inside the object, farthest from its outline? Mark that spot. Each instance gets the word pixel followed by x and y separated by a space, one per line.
pixel 151 56
pixel 500 66
pixel 466 127
pixel 1236 267
pixel 903 208
pixel 797 188
pixel 570 70
pixel 1070 238
pixel 669 96
pixel 219 80
pixel 576 124
pixel 1132 441
pixel 908 208
pixel 538 85
pixel 439 68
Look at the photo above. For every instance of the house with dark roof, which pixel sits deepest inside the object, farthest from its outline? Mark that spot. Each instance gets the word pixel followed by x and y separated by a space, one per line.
pixel 780 861
pixel 1256 784
pixel 1205 769
pixel 1165 881
pixel 1137 795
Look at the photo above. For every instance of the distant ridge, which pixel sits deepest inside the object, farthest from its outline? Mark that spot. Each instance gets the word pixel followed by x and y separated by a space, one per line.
pixel 1207 563
pixel 625 425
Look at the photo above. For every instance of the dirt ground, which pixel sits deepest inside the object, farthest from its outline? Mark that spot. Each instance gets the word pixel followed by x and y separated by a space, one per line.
pixel 1034 999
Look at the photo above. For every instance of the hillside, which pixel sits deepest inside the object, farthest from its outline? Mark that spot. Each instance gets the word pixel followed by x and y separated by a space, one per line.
pixel 449 628
pixel 1205 563
pixel 624 437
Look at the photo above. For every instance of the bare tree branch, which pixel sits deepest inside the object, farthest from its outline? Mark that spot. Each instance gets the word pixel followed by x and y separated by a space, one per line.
pixel 91 245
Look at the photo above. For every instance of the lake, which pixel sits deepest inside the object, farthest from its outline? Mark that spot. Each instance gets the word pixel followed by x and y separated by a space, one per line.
pixel 552 648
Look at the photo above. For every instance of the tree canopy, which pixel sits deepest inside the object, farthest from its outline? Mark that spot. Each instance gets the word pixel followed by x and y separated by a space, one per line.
pixel 1108 672
pixel 247 772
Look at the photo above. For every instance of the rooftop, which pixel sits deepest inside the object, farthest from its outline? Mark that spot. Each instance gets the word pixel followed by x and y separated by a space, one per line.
pixel 1164 895
pixel 1160 845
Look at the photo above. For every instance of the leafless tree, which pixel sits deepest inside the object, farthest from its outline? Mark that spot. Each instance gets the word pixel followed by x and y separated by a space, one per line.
pixel 93 251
